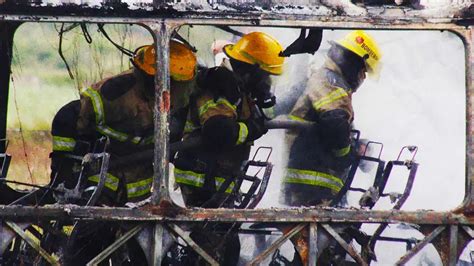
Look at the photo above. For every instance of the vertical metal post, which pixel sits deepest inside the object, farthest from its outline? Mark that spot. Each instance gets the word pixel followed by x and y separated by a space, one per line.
pixel 162 112
pixel 453 244
pixel 162 32
pixel 468 36
pixel 7 31
pixel 157 244
pixel 313 244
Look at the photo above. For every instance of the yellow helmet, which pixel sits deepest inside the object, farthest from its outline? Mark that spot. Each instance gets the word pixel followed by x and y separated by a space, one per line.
pixel 258 48
pixel 182 61
pixel 364 46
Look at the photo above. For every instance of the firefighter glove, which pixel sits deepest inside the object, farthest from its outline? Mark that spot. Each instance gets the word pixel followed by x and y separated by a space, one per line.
pixel 256 128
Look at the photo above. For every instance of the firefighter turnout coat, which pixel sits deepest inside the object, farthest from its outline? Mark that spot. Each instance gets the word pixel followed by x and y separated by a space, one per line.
pixel 201 172
pixel 319 157
pixel 121 108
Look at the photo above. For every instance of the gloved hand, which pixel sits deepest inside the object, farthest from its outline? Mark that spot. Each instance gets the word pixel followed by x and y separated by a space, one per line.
pixel 263 94
pixel 256 127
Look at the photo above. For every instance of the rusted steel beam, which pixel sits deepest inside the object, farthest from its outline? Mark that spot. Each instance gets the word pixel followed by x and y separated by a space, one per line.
pixel 469 55
pixel 160 194
pixel 157 246
pixel 50 259
pixel 469 231
pixel 180 232
pixel 442 243
pixel 171 213
pixel 277 244
pixel 161 112
pixel 347 246
pixel 114 246
pixel 453 244
pixel 313 244
pixel 275 20
pixel 320 8
pixel 7 30
pixel 403 260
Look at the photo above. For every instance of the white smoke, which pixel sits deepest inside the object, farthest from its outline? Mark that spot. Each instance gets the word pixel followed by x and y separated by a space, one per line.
pixel 418 100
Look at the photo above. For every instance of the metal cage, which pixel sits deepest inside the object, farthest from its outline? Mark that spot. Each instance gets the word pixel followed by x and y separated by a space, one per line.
pixel 448 231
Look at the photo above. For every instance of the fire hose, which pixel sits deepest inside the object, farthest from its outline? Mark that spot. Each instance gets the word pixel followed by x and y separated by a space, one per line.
pixel 195 142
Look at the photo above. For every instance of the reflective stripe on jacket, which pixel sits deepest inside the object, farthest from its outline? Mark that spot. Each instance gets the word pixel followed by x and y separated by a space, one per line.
pixel 194 179
pixel 243 133
pixel 313 178
pixel 101 126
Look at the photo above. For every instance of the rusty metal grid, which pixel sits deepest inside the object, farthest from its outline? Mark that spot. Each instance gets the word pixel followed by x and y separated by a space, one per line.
pixel 448 231
pixel 162 30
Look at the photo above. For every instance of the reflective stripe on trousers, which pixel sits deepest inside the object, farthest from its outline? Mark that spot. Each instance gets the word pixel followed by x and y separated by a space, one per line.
pixel 111 181
pixel 139 188
pixel 63 143
pixel 313 178
pixel 194 179
pixel 135 189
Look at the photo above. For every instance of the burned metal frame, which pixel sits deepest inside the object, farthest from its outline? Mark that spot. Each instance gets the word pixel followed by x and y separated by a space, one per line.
pixel 163 213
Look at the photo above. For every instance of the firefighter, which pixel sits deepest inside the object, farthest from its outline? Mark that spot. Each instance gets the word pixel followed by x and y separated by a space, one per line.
pixel 222 112
pixel 319 157
pixel 121 109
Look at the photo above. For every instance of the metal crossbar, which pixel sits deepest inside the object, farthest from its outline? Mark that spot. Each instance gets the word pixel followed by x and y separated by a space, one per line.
pixel 277 244
pixel 114 246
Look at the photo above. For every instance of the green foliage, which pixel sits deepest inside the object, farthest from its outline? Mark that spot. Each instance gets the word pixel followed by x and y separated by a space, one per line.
pixel 40 81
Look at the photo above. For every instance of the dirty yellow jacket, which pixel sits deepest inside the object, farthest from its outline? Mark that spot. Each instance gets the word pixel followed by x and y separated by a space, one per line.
pixel 121 108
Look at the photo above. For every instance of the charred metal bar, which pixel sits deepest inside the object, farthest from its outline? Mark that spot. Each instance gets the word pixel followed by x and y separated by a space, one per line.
pixel 413 167
pixel 157 244
pixel 453 244
pixel 257 260
pixel 102 176
pixel 403 260
pixel 347 246
pixel 160 194
pixel 313 244
pixel 469 55
pixel 172 213
pixel 118 243
pixel 327 10
pixel 161 113
pixel 408 241
pixel 180 232
pixel 469 231
pixel 7 31
pixel 50 259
